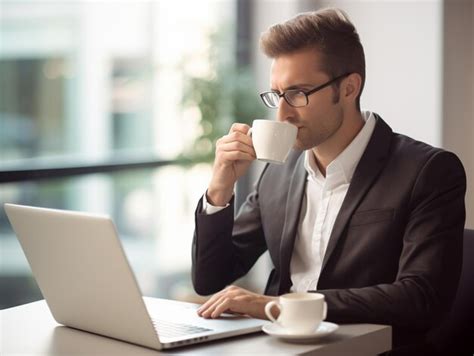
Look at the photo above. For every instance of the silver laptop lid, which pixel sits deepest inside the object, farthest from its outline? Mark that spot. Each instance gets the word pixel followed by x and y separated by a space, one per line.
pixel 81 269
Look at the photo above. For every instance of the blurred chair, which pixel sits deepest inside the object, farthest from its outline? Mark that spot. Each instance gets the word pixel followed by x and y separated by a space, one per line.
pixel 456 335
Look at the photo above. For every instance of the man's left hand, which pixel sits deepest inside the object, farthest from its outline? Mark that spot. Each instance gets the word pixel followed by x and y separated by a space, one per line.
pixel 237 300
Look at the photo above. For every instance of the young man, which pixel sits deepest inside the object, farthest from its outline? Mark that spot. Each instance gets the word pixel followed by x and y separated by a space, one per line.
pixel 370 218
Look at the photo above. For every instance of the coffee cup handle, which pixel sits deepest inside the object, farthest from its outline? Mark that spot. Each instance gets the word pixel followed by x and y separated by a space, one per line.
pixel 325 310
pixel 268 310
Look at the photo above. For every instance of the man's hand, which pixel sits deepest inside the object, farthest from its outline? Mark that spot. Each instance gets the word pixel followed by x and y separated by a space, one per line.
pixel 234 154
pixel 237 300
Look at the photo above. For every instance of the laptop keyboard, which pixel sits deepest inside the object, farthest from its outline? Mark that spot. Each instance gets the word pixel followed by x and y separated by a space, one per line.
pixel 170 329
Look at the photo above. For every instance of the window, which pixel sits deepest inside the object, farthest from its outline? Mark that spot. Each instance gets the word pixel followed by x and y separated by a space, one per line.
pixel 101 87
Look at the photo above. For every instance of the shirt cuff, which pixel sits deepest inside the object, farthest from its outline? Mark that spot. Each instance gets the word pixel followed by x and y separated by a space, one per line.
pixel 208 208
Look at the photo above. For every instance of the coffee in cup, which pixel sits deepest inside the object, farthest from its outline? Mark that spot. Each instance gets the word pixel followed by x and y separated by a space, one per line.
pixel 273 140
pixel 300 313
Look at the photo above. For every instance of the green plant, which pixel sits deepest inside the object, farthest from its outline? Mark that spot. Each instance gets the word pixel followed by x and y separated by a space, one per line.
pixel 228 95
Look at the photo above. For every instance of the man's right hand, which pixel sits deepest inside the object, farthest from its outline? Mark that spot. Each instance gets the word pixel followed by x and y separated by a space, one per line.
pixel 234 154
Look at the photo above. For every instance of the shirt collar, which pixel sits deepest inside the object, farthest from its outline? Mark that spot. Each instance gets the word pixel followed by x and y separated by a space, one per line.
pixel 342 168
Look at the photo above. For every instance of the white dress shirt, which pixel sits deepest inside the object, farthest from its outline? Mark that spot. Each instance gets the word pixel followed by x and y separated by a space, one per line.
pixel 321 204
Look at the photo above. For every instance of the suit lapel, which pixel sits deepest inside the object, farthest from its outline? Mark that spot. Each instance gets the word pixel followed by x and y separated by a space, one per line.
pixel 369 167
pixel 292 213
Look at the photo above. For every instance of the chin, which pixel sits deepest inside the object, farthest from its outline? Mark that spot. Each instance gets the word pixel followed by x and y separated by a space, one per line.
pixel 299 145
pixel 304 141
pixel 303 146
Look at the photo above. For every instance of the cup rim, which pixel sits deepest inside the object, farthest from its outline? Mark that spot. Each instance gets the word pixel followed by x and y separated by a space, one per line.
pixel 273 121
pixel 301 296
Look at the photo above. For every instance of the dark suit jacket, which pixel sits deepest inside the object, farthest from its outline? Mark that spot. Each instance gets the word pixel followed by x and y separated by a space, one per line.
pixel 394 255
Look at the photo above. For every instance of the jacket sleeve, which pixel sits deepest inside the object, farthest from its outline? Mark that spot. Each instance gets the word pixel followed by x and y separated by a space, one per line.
pixel 430 261
pixel 224 250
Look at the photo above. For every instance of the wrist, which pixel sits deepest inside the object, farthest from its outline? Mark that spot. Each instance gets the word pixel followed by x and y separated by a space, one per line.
pixel 219 197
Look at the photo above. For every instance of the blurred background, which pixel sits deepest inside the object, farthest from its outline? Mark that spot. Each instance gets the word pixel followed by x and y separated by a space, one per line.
pixel 114 107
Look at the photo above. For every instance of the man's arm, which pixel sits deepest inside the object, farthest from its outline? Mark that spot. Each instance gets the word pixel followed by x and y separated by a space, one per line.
pixel 219 256
pixel 431 258
pixel 222 252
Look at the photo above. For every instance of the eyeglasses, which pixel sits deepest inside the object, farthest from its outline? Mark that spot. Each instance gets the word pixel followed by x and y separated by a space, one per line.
pixel 294 97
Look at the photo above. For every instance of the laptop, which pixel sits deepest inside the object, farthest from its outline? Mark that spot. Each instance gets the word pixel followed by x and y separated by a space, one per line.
pixel 81 268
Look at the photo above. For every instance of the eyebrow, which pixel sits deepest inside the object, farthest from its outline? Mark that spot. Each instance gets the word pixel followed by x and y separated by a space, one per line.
pixel 295 86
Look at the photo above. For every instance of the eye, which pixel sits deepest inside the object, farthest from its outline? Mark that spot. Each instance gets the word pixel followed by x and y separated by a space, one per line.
pixel 295 93
pixel 296 97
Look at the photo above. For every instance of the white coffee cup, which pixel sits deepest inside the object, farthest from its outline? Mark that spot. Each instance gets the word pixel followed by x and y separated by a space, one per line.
pixel 300 313
pixel 272 140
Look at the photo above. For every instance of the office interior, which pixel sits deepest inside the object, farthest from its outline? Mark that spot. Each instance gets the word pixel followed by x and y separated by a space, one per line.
pixel 114 108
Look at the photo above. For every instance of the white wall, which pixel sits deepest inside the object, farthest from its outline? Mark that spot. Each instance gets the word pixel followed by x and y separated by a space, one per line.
pixel 402 42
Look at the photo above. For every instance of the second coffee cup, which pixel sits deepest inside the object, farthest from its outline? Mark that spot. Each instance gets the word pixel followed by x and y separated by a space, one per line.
pixel 300 313
pixel 272 140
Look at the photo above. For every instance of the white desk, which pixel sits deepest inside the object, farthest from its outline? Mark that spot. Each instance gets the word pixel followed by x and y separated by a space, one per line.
pixel 30 329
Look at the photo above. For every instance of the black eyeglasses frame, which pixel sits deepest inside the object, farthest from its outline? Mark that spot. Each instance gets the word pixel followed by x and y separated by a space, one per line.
pixel 306 93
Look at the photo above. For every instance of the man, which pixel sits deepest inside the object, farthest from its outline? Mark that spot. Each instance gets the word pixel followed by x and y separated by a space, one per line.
pixel 369 218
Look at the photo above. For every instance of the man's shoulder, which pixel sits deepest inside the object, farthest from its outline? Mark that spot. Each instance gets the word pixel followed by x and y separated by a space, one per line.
pixel 403 145
pixel 408 149
pixel 414 158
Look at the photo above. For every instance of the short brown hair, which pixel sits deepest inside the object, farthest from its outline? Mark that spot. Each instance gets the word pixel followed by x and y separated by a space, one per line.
pixel 330 32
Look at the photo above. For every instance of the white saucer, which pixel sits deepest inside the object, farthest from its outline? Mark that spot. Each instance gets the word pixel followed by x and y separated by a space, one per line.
pixel 325 328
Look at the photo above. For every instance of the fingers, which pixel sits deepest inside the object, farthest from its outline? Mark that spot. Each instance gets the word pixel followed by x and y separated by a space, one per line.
pixel 235 300
pixel 219 303
pixel 214 310
pixel 237 127
pixel 223 305
pixel 234 156
pixel 203 308
pixel 236 136
pixel 235 146
pixel 235 151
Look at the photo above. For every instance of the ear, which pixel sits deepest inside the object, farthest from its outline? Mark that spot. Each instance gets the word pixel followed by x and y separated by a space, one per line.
pixel 351 87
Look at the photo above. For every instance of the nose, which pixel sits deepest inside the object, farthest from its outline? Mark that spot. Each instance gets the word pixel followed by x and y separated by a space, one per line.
pixel 285 111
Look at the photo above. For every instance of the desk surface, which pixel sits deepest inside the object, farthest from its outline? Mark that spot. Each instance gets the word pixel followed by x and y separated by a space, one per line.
pixel 30 329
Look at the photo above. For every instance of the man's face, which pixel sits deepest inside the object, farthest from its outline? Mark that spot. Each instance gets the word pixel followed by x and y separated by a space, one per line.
pixel 322 117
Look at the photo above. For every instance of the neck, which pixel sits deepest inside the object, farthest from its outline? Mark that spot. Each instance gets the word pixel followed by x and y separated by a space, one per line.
pixel 326 152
